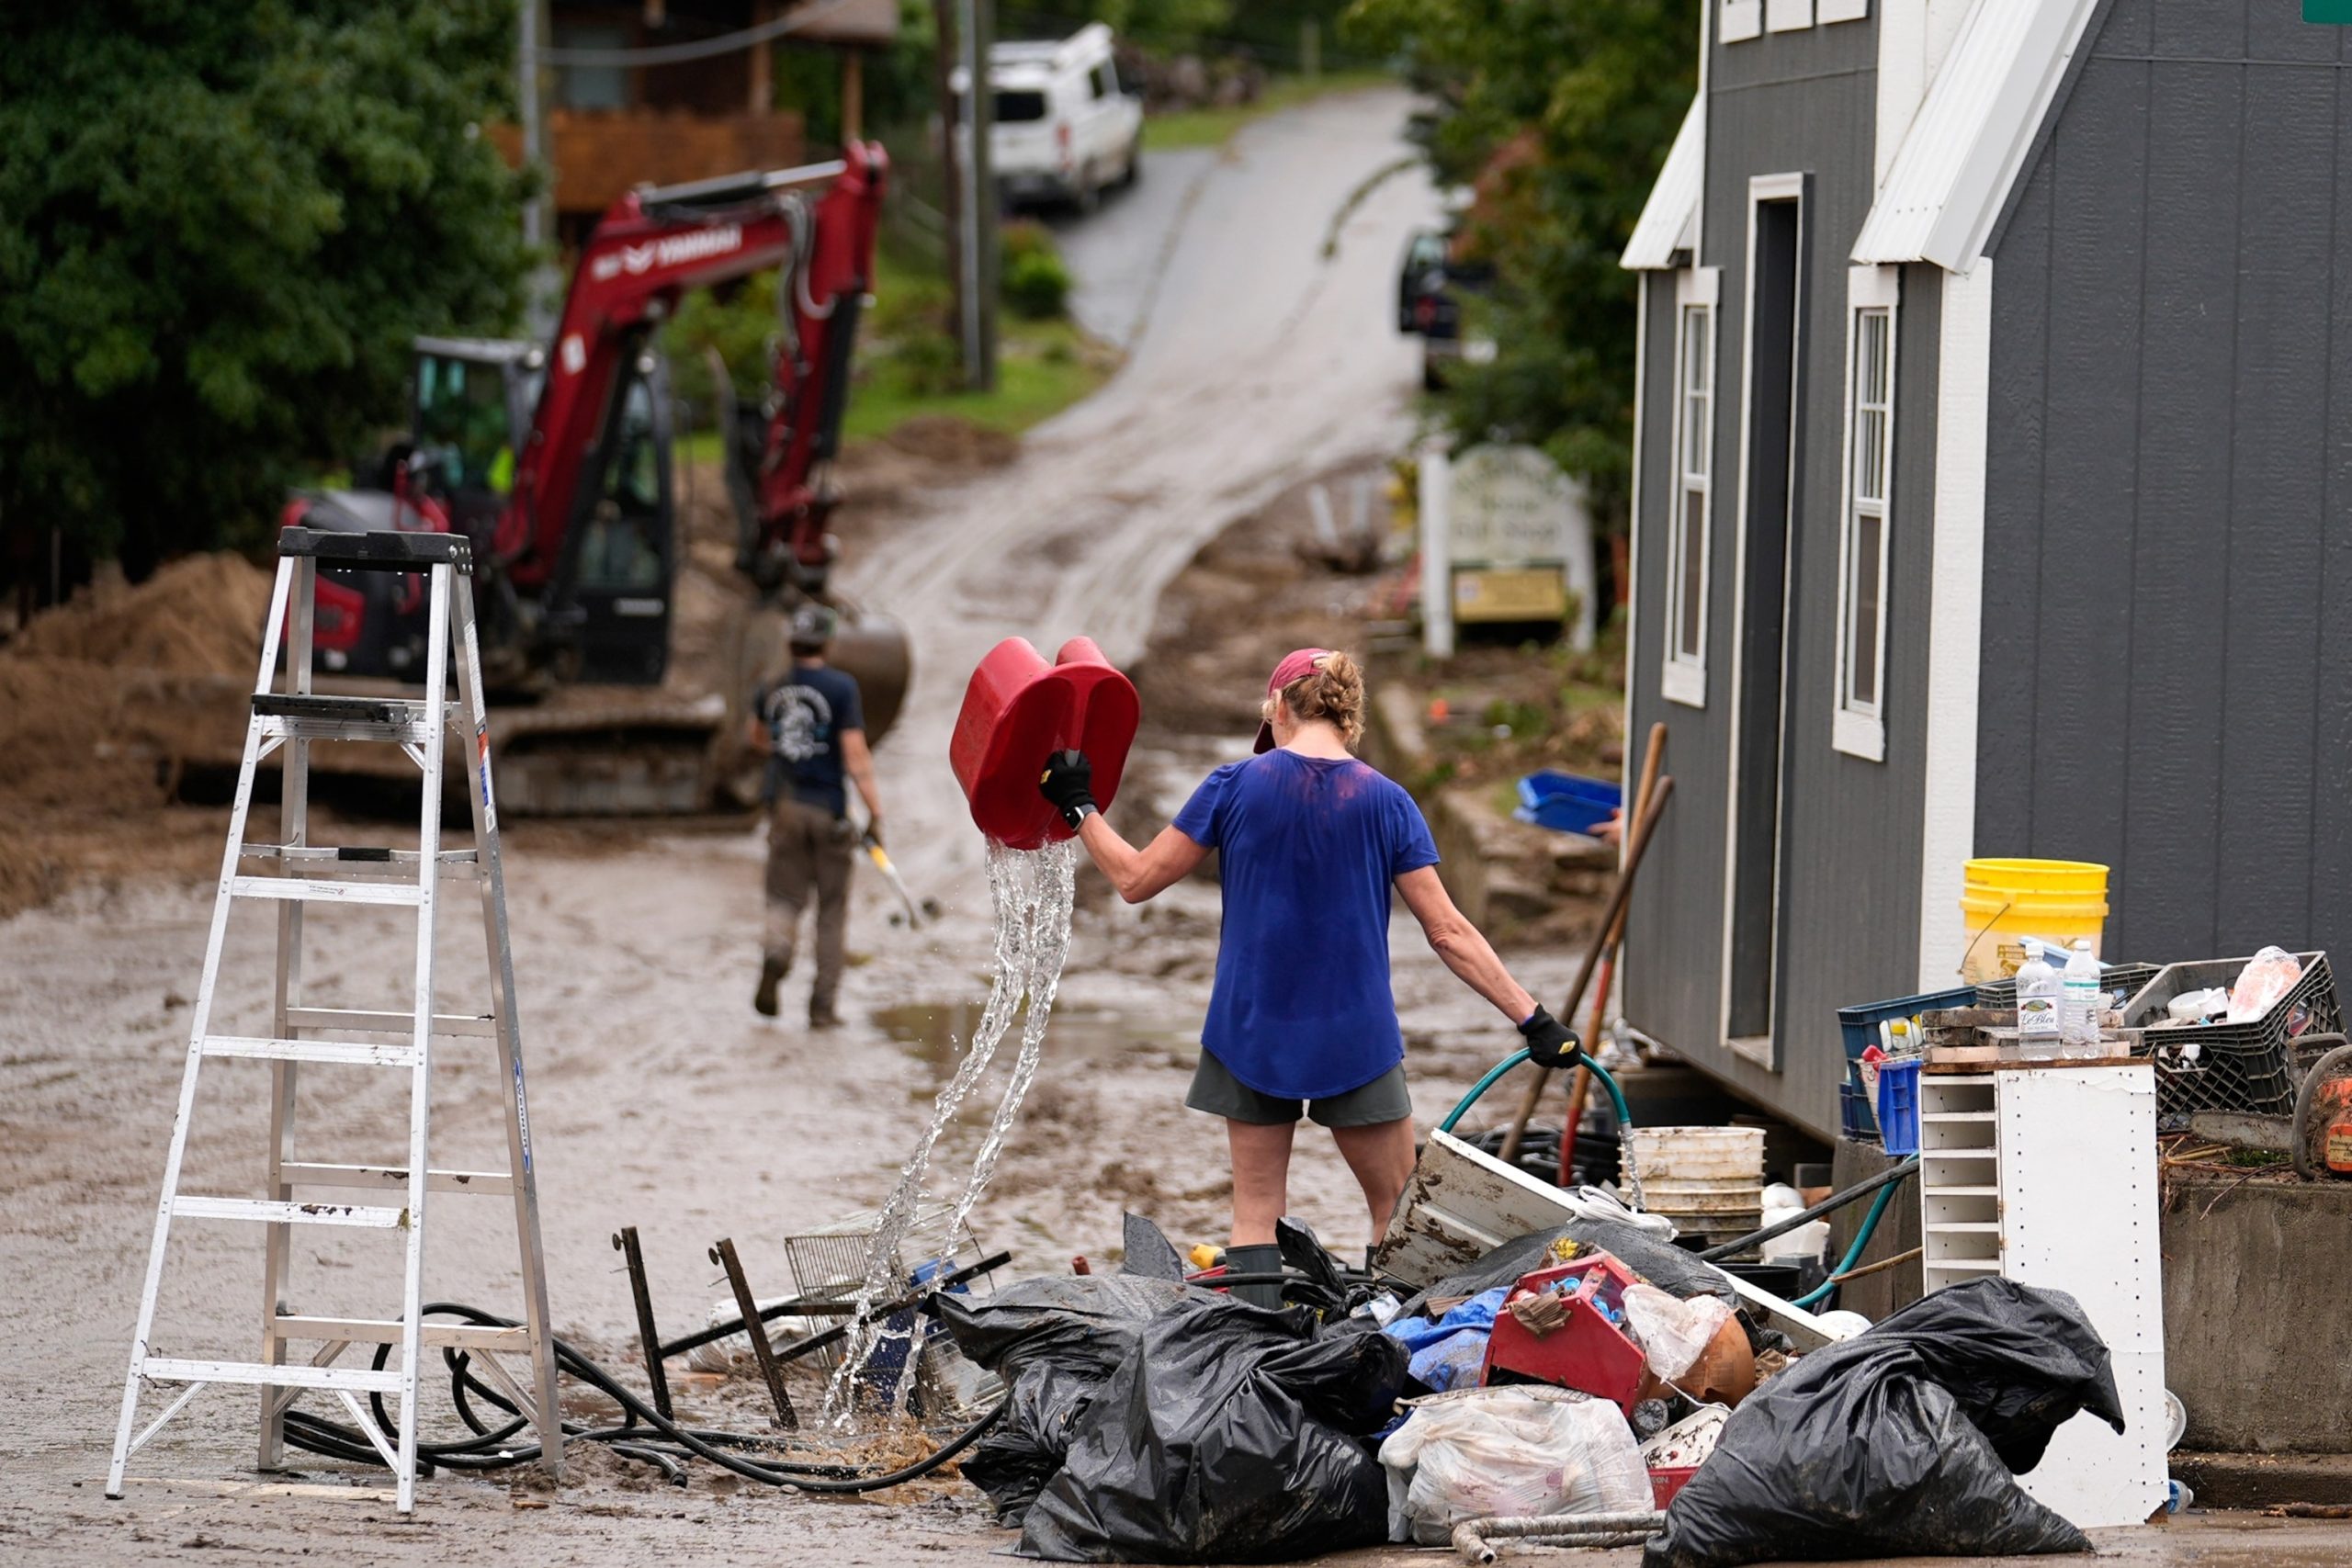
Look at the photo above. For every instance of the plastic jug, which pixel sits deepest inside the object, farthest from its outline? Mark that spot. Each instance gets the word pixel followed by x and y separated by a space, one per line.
pixel 1019 710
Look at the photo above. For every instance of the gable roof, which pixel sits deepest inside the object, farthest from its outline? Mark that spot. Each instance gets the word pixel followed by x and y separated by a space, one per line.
pixel 1670 219
pixel 1967 146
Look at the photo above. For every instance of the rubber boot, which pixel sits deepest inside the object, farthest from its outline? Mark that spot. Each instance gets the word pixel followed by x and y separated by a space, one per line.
pixel 771 976
pixel 1266 1259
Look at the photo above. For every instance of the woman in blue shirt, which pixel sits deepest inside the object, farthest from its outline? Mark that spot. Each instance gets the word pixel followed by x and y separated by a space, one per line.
pixel 1301 1016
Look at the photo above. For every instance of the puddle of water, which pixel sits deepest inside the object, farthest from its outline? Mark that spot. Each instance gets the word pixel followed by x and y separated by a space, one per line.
pixel 933 1032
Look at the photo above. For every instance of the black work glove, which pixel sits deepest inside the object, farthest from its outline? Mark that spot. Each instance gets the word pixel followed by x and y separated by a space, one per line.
pixel 1068 783
pixel 1550 1043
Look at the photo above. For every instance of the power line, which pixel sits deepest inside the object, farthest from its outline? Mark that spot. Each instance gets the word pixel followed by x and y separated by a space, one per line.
pixel 678 53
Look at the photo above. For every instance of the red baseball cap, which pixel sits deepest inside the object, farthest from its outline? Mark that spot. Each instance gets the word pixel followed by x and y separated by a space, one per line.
pixel 1297 665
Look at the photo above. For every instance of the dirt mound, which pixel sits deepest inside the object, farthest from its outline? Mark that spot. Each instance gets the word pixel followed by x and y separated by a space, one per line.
pixel 947 439
pixel 199 615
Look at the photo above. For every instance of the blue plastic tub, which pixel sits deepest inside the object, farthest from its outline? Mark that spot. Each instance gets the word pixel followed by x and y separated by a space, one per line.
pixel 1854 1118
pixel 1898 1107
pixel 1566 802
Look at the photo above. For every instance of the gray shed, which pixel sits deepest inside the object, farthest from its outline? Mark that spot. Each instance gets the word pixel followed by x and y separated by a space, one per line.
pixel 1991 497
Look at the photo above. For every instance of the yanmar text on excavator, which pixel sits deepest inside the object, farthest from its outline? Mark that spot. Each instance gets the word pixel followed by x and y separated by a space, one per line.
pixel 556 460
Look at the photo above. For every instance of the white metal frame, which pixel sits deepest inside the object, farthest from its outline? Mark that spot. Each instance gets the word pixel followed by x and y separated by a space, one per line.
pixel 1857 726
pixel 1682 673
pixel 1760 1049
pixel 291 874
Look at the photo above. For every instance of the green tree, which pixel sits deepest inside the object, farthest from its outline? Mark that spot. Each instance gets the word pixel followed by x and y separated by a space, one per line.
pixel 220 225
pixel 1560 116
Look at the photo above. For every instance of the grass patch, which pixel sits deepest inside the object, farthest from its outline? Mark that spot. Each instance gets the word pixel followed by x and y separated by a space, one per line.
pixel 1213 126
pixel 1042 369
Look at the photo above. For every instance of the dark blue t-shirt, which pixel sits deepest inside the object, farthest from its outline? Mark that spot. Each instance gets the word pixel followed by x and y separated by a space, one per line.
pixel 805 713
pixel 1308 848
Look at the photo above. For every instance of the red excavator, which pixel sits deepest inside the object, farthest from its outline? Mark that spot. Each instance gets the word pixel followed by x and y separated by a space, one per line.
pixel 556 460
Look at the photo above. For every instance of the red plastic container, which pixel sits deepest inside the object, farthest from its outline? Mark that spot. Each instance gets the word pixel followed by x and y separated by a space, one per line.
pixel 1018 711
pixel 1589 1352
pixel 1666 1479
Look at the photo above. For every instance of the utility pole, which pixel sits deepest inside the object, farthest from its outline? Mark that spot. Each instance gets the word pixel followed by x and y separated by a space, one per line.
pixel 976 261
pixel 544 288
pixel 951 163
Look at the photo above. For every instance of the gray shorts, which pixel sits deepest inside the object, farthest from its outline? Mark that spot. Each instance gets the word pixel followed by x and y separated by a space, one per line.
pixel 1218 1092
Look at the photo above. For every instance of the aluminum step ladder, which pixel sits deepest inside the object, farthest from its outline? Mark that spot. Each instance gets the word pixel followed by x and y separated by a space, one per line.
pixel 294 874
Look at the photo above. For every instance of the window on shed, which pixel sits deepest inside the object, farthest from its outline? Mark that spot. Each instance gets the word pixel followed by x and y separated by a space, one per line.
pixel 1860 726
pixel 1684 677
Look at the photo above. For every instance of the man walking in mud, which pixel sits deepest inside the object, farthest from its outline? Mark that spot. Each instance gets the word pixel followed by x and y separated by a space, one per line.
pixel 812 725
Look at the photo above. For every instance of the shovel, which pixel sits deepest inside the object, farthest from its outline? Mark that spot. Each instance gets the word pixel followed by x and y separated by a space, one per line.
pixel 890 873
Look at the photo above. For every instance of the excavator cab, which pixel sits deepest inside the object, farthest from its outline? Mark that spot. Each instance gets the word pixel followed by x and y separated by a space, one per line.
pixel 471 414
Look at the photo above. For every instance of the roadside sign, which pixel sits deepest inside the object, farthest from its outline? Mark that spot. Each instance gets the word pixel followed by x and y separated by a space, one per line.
pixel 1521 541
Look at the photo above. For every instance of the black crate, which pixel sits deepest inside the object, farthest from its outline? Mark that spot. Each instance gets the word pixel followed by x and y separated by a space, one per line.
pixel 2246 1067
pixel 2125 977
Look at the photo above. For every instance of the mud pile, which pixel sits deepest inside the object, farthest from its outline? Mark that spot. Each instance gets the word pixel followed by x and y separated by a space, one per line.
pixel 102 703
pixel 199 615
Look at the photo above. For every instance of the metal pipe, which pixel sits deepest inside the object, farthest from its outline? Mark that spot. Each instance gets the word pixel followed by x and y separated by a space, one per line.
pixel 648 1339
pixel 1835 1200
pixel 1471 1536
pixel 724 1256
pixel 802 1306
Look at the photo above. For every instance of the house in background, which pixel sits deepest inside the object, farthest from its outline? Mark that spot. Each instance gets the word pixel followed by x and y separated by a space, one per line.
pixel 610 127
pixel 1993 498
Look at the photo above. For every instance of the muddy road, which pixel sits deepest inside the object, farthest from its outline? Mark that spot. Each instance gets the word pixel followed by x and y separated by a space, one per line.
pixel 1255 292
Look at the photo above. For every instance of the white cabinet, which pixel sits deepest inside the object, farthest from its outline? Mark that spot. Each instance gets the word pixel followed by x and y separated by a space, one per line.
pixel 2047 1174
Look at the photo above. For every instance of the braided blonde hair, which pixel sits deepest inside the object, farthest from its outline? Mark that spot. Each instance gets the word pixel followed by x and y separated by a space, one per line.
pixel 1332 693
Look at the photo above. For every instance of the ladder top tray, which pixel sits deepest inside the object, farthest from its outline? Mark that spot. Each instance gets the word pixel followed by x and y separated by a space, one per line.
pixel 377 550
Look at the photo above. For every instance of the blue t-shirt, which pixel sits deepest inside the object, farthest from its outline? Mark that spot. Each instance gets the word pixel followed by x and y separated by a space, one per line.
pixel 805 713
pixel 1308 848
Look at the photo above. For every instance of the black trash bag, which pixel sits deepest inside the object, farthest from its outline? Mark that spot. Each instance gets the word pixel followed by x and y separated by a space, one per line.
pixel 1149 1253
pixel 1053 1340
pixel 1903 1440
pixel 1233 1434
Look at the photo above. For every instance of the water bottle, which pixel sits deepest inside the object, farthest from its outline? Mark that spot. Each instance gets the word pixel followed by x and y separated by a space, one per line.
pixel 2079 1028
pixel 2040 998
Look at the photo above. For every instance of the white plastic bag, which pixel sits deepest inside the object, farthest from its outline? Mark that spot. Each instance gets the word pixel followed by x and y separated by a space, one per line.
pixel 1672 1333
pixel 1510 1451
pixel 2268 976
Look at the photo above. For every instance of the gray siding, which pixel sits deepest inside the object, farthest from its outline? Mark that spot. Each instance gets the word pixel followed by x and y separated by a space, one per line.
pixel 1851 840
pixel 2167 540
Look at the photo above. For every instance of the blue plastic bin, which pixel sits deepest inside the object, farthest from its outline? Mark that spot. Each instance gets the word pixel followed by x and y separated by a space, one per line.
pixel 1566 802
pixel 1861 1023
pixel 1898 1106
pixel 1854 1118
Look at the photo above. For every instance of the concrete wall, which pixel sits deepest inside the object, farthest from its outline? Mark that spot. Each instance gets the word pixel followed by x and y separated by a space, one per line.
pixel 2258 1337
pixel 1802 102
pixel 2168 540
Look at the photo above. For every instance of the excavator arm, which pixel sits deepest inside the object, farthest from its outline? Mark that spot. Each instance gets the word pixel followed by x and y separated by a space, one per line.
pixel 653 245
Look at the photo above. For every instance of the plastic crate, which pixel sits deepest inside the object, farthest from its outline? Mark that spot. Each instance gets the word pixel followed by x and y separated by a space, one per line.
pixel 2245 1066
pixel 1898 1106
pixel 1857 1117
pixel 2127 978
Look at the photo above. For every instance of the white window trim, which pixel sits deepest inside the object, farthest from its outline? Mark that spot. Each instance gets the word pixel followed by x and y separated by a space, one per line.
pixel 1828 11
pixel 1859 732
pixel 1743 19
pixel 1787 16
pixel 1682 680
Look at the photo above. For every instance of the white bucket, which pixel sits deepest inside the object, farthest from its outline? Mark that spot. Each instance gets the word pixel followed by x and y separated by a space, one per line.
pixel 1698 1154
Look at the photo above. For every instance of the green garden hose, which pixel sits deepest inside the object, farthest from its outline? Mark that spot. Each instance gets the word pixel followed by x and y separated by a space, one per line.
pixel 1616 1096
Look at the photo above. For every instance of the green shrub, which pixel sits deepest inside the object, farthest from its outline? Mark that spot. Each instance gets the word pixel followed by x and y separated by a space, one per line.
pixel 924 363
pixel 1033 279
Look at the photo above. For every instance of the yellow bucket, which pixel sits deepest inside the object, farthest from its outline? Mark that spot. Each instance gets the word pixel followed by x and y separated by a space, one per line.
pixel 2004 901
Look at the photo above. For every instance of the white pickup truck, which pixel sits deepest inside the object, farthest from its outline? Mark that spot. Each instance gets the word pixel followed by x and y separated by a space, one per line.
pixel 1064 129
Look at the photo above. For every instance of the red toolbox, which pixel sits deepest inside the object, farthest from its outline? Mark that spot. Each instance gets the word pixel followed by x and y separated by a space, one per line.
pixel 1589 1350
